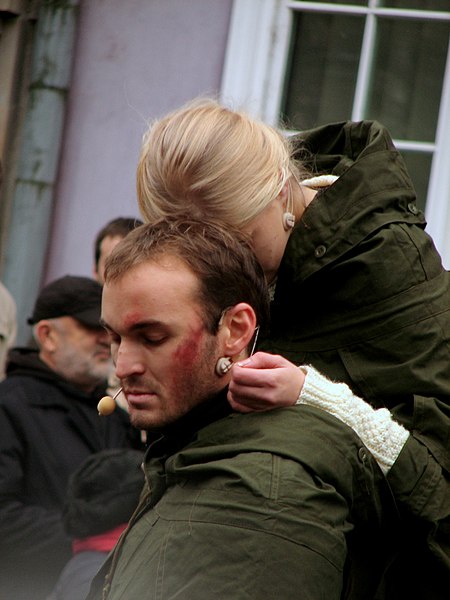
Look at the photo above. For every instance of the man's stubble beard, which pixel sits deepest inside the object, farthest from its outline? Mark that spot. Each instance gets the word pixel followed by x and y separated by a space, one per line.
pixel 199 386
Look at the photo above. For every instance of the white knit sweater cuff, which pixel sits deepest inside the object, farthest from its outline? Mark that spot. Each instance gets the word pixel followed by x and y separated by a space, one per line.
pixel 382 436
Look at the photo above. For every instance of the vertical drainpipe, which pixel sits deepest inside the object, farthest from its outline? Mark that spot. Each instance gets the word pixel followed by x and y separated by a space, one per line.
pixel 39 153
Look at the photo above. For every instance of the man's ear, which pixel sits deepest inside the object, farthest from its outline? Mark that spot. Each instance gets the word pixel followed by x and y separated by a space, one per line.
pixel 45 336
pixel 237 329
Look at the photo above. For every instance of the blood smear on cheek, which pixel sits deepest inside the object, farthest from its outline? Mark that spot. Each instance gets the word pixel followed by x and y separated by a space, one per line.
pixel 187 352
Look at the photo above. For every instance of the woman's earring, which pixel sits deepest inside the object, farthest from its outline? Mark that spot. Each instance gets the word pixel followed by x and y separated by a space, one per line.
pixel 223 365
pixel 288 221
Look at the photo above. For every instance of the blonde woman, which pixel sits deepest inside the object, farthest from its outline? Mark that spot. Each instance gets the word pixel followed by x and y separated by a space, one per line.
pixel 358 288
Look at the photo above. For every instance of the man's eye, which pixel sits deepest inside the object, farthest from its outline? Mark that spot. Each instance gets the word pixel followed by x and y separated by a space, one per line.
pixel 155 341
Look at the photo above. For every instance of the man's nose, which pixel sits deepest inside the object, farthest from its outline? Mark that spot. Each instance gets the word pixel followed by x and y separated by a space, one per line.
pixel 128 361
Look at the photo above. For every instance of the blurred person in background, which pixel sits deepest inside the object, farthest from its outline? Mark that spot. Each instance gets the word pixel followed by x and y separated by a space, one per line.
pixel 107 239
pixel 8 326
pixel 101 497
pixel 49 424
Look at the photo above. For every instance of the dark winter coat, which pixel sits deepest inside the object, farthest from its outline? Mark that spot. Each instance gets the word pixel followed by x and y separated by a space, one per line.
pixel 361 292
pixel 48 428
pixel 101 497
pixel 283 505
pixel 362 295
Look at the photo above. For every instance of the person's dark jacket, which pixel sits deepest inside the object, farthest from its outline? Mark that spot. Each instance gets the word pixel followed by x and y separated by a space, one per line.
pixel 362 296
pixel 361 292
pixel 48 428
pixel 285 504
pixel 101 497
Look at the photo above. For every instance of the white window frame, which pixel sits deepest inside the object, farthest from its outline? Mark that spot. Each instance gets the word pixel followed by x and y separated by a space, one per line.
pixel 253 75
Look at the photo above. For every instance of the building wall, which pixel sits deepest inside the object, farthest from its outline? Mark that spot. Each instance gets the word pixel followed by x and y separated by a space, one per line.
pixel 134 61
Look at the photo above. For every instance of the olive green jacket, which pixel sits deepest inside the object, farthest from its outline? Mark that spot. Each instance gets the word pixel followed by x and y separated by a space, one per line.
pixel 362 296
pixel 361 292
pixel 282 505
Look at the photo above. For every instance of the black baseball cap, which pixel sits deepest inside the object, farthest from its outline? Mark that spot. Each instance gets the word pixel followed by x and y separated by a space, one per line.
pixel 69 296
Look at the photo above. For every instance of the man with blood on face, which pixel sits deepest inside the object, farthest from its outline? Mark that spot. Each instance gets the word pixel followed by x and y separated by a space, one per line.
pixel 284 494
pixel 171 314
pixel 161 346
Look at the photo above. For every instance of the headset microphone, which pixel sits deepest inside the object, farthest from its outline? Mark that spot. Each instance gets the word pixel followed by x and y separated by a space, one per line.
pixel 107 404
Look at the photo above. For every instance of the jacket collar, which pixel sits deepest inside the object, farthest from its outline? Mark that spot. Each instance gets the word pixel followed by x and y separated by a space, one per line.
pixel 175 436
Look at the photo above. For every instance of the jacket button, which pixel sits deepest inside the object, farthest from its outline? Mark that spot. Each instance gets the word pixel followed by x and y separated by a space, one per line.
pixel 413 208
pixel 320 251
pixel 362 454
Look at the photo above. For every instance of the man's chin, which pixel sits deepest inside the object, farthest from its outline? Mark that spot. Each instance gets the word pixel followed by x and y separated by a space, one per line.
pixel 139 420
pixel 146 421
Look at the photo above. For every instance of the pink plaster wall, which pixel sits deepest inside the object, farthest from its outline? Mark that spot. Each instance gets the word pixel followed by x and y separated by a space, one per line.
pixel 134 61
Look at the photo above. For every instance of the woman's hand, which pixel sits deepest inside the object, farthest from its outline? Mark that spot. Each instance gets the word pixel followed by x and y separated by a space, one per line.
pixel 264 382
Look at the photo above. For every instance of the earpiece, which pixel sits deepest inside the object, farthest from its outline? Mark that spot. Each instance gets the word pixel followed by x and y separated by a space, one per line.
pixel 107 405
pixel 223 365
pixel 288 220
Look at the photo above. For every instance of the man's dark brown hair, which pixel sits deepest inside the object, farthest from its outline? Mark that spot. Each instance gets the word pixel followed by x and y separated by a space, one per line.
pixel 221 258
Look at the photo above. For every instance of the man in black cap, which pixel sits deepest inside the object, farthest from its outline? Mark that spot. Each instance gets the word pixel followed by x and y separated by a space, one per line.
pixel 49 425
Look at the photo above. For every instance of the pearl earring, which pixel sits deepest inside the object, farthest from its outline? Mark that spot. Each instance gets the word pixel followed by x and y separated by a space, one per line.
pixel 288 221
pixel 223 365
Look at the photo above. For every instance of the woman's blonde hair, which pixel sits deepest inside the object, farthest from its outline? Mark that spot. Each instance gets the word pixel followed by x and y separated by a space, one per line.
pixel 207 161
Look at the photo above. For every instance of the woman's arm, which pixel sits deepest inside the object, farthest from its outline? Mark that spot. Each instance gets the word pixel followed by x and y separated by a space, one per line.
pixel 266 381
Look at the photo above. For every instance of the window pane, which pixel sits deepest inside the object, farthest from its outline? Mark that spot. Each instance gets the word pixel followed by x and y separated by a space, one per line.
pixel 343 2
pixel 321 76
pixel 418 4
pixel 441 5
pixel 419 167
pixel 408 75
